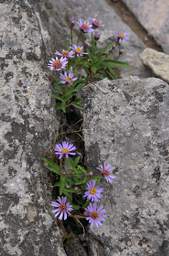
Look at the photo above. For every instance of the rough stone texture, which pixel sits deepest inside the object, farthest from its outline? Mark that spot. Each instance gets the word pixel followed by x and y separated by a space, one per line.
pixel 26 125
pixel 158 62
pixel 56 14
pixel 154 17
pixel 126 122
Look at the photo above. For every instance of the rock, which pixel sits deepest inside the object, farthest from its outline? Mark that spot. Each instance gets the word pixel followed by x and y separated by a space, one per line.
pixel 158 62
pixel 75 247
pixel 153 16
pixel 126 122
pixel 56 16
pixel 27 124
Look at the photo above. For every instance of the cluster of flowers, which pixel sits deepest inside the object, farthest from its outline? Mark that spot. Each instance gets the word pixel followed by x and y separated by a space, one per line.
pixel 60 60
pixel 94 213
pixel 59 63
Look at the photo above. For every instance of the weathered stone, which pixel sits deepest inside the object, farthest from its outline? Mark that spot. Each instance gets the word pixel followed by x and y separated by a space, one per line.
pixel 27 124
pixel 158 62
pixel 57 25
pixel 126 122
pixel 154 17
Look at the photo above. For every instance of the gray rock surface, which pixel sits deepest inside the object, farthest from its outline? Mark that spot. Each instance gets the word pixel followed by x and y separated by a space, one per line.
pixel 27 124
pixel 126 122
pixel 158 62
pixel 154 17
pixel 56 14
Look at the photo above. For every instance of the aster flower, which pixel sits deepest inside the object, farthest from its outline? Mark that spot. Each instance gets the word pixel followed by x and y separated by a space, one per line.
pixel 61 208
pixel 95 23
pixel 106 171
pixel 85 26
pixel 95 214
pixel 65 54
pixel 78 50
pixel 57 64
pixel 121 37
pixel 64 149
pixel 68 77
pixel 93 192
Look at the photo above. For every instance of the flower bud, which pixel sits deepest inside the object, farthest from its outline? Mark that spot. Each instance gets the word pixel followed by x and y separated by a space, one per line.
pixel 72 21
pixel 96 35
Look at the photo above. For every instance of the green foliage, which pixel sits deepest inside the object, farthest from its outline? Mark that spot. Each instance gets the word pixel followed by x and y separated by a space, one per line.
pixel 67 96
pixel 95 64
pixel 99 65
pixel 71 177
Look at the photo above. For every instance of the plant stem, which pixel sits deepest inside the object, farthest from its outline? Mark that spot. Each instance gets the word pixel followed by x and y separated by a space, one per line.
pixel 76 217
pixel 71 35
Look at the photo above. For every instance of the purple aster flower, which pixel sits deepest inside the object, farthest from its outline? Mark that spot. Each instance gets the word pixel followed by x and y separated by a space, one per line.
pixel 65 54
pixel 93 192
pixel 85 26
pixel 78 50
pixel 61 208
pixel 121 37
pixel 64 149
pixel 95 214
pixel 106 171
pixel 95 23
pixel 68 77
pixel 57 64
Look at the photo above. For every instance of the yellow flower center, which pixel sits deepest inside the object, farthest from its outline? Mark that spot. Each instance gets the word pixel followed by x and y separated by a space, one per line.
pixel 57 64
pixel 85 26
pixel 65 150
pixel 93 191
pixel 105 173
pixel 68 79
pixel 121 35
pixel 62 207
pixel 94 215
pixel 65 53
pixel 78 50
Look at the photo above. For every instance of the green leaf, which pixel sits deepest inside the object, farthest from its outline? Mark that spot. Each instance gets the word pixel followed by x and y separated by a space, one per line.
pixel 77 104
pixel 97 178
pixel 95 68
pixel 62 184
pixel 52 166
pixel 76 160
pixel 85 204
pixel 72 162
pixel 80 175
pixel 80 181
pixel 61 106
pixel 76 207
pixel 69 164
pixel 115 63
pixel 67 193
pixel 81 169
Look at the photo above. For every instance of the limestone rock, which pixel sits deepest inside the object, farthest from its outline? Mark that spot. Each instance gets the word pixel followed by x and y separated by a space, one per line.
pixel 157 61
pixel 56 14
pixel 154 17
pixel 126 122
pixel 27 124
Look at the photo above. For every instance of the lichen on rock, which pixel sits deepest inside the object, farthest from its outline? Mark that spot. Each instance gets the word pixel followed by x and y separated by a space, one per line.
pixel 127 122
pixel 27 125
